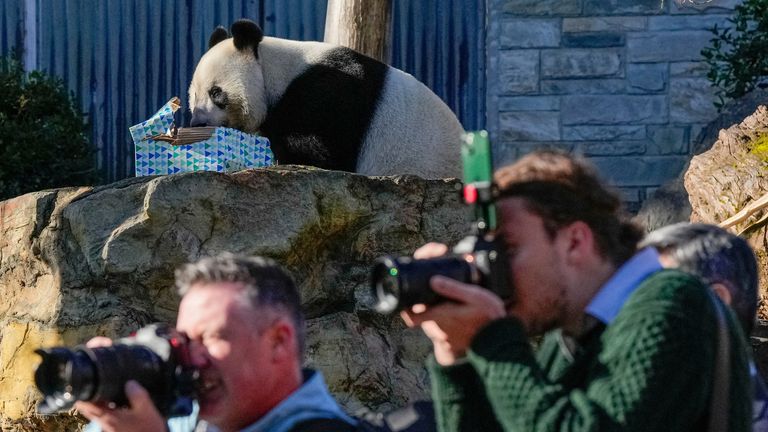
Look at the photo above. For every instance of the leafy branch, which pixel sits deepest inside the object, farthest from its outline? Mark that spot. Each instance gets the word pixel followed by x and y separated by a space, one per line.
pixel 738 54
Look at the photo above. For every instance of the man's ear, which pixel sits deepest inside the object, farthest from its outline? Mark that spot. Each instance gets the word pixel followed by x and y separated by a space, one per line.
pixel 723 292
pixel 282 339
pixel 577 242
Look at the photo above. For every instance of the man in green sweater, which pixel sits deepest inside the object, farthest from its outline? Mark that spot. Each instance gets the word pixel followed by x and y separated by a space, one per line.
pixel 627 346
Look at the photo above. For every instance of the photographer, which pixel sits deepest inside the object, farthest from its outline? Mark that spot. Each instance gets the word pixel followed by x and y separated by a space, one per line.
pixel 728 265
pixel 246 331
pixel 627 345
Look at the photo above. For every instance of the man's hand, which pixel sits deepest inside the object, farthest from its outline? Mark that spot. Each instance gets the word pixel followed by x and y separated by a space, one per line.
pixel 452 324
pixel 141 415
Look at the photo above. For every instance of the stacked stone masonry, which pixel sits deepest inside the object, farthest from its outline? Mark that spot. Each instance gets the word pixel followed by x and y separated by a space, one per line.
pixel 620 81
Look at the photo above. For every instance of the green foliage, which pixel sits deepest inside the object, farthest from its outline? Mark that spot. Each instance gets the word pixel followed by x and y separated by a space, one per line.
pixel 738 56
pixel 43 139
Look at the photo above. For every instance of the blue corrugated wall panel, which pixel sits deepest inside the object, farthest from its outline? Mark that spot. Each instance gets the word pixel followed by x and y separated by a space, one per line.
pixel 123 59
pixel 442 43
pixel 11 26
pixel 295 19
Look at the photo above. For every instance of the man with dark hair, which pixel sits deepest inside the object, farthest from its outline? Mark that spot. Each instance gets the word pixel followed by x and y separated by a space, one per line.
pixel 723 260
pixel 727 263
pixel 627 345
pixel 243 319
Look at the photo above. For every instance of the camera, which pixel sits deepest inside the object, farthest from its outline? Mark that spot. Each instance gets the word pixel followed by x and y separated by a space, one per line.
pixel 157 357
pixel 401 282
pixel 480 259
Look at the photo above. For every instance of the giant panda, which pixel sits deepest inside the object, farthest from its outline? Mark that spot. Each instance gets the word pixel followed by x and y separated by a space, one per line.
pixel 324 105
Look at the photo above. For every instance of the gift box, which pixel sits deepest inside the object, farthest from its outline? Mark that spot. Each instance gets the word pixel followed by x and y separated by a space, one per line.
pixel 161 148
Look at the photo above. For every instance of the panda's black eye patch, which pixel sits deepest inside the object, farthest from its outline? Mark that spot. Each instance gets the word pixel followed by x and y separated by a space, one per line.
pixel 218 97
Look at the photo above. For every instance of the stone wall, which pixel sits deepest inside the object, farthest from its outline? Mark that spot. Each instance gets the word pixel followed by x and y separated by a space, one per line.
pixel 80 262
pixel 620 81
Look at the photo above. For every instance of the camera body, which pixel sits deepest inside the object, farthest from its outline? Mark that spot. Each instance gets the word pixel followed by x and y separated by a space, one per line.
pixel 157 357
pixel 401 282
pixel 480 258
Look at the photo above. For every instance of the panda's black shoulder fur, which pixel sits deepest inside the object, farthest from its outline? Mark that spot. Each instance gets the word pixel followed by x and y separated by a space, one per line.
pixel 324 114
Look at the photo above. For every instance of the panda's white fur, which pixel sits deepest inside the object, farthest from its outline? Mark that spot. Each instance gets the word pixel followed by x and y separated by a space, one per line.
pixel 410 131
pixel 402 139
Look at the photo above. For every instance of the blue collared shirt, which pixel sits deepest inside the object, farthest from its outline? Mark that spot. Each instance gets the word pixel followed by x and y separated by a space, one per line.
pixel 312 400
pixel 614 293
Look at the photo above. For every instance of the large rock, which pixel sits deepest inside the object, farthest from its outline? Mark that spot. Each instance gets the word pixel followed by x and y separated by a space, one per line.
pixel 669 203
pixel 734 112
pixel 75 263
pixel 728 177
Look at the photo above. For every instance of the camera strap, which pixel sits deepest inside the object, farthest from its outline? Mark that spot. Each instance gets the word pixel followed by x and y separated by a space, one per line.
pixel 719 407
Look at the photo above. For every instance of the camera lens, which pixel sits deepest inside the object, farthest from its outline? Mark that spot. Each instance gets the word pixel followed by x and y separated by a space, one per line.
pixel 64 377
pixel 398 283
pixel 95 374
pixel 386 285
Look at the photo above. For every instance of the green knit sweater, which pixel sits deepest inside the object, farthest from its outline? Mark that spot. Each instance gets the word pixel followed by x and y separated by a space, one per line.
pixel 649 370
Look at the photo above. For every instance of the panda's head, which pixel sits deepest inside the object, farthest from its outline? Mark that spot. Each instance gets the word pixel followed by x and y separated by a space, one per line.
pixel 227 87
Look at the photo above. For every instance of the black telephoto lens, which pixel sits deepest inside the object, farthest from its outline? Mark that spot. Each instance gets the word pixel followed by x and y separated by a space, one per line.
pixel 399 283
pixel 95 374
pixel 64 377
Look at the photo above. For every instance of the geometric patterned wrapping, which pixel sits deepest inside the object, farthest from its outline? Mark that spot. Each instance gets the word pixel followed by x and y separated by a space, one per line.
pixel 226 150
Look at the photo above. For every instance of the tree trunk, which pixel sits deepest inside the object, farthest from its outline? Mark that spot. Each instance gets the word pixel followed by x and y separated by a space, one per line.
pixel 363 25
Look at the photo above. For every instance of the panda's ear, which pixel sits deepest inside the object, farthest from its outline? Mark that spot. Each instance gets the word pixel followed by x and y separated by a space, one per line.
pixel 247 34
pixel 218 35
